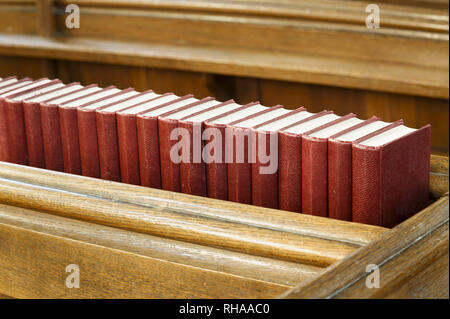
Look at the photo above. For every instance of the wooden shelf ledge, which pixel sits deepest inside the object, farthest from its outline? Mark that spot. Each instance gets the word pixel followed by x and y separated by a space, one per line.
pixel 387 77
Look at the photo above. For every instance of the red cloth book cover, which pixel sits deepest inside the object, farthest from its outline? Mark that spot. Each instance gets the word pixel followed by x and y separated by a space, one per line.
pixel 265 184
pixel 128 136
pixel 150 162
pixel 193 173
pixel 9 88
pixel 170 170
pixel 17 139
pixel 290 166
pixel 390 181
pixel 340 166
pixel 240 170
pixel 97 162
pixel 51 128
pixel 216 168
pixel 315 171
pixel 33 127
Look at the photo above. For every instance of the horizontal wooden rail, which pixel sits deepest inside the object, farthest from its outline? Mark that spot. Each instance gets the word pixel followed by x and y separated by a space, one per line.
pixel 41 238
pixel 195 206
pixel 406 79
pixel 317 42
pixel 164 223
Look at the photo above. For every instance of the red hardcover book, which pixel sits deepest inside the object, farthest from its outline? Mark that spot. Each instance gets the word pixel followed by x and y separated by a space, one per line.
pixel 150 162
pixel 14 115
pixel 33 127
pixel 390 175
pixel 4 90
pixel 51 129
pixel 193 174
pixel 241 152
pixel 315 164
pixel 191 165
pixel 290 159
pixel 340 166
pixel 12 134
pixel 86 126
pixel 174 146
pixel 139 156
pixel 265 167
pixel 215 150
pixel 111 151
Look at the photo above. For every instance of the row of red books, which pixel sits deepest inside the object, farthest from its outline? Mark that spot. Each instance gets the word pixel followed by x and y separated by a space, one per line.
pixel 367 171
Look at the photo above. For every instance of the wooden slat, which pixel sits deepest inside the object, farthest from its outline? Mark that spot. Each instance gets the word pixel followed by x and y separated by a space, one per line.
pixel 439 176
pixel 352 12
pixel 407 79
pixel 228 262
pixel 421 271
pixel 194 206
pixel 165 223
pixel 45 17
pixel 33 265
pixel 403 252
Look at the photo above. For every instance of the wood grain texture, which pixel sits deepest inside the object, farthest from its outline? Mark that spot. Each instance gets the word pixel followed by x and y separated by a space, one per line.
pixel 194 206
pixel 351 12
pixel 41 260
pixel 18 18
pixel 406 79
pixel 236 264
pixel 402 254
pixel 169 224
pixel 439 176
pixel 45 18
pixel 408 55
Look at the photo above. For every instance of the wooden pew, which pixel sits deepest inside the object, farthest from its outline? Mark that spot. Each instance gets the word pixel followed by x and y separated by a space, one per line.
pixel 299 53
pixel 135 242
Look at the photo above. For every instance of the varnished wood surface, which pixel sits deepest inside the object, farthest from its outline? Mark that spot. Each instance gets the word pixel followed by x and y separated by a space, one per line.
pixel 189 206
pixel 291 41
pixel 102 223
pixel 34 266
pixel 352 12
pixel 173 257
pixel 439 176
pixel 403 254
pixel 172 224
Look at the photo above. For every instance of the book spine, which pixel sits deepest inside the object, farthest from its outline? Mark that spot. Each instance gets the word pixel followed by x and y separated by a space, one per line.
pixel 340 180
pixel 33 131
pixel 4 143
pixel 216 167
pixel 51 135
pixel 148 143
pixel 70 140
pixel 390 182
pixel 108 148
pixel 314 176
pixel 366 185
pixel 128 148
pixel 193 173
pixel 170 170
pixel 264 181
pixel 238 141
pixel 87 134
pixel 17 139
pixel 290 172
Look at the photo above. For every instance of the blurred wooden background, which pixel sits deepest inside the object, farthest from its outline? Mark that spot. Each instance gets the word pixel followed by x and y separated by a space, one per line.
pixel 317 54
